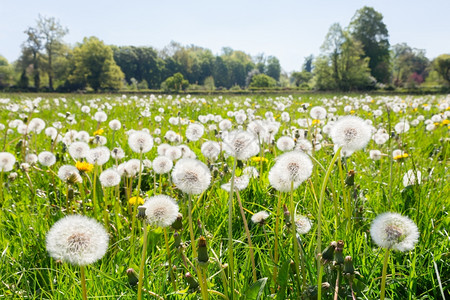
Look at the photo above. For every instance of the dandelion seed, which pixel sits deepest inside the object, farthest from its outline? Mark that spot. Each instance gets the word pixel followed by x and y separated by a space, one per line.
pixel 140 142
pixel 109 178
pixel 260 217
pixel 290 168
pixel 302 224
pixel 69 174
pixel 240 144
pixel 162 165
pixel 191 176
pixel 7 161
pixel 351 133
pixel 46 158
pixel 78 150
pixel 98 156
pixel 194 132
pixel 161 210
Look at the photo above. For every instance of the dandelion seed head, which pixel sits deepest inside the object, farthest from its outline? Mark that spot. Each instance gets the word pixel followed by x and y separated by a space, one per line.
pixel 98 156
pixel 191 176
pixel 260 217
pixel 161 210
pixel 109 178
pixel 78 150
pixel 140 141
pixel 162 165
pixel 46 158
pixel 7 161
pixel 351 133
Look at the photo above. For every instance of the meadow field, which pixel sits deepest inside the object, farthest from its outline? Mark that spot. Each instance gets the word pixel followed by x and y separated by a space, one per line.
pixel 224 197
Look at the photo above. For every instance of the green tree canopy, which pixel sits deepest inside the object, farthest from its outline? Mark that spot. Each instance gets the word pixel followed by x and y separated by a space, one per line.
pixel 262 81
pixel 6 72
pixel 408 64
pixel 368 28
pixel 175 83
pixel 442 66
pixel 94 66
pixel 341 66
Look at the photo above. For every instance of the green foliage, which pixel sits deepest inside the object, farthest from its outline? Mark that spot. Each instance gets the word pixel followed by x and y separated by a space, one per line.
pixel 262 81
pixel 273 68
pixel 94 66
pixel 300 78
pixel 441 65
pixel 408 65
pixel 342 65
pixel 368 28
pixel 6 73
pixel 209 83
pixel 175 83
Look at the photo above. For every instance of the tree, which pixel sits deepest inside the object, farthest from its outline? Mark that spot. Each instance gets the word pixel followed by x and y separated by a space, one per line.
pixel 175 83
pixel 409 65
pixel 368 28
pixel 51 33
pixel 31 55
pixel 341 64
pixel 442 66
pixel 308 64
pixel 94 66
pixel 262 81
pixel 301 78
pixel 6 73
pixel 273 68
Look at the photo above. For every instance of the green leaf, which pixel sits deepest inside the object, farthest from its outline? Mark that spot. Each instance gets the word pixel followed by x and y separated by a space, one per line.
pixel 254 292
pixel 283 280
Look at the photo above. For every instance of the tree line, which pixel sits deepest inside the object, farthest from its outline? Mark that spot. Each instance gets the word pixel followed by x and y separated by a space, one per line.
pixel 357 57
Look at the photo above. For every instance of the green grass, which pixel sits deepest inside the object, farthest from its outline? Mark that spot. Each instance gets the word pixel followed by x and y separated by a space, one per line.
pixel 32 206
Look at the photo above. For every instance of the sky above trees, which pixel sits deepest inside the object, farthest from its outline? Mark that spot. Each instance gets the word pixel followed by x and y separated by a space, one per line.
pixel 289 30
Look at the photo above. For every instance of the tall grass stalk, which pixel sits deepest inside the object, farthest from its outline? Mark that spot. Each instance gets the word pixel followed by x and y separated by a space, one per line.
pixel 230 231
pixel 143 256
pixel 294 233
pixel 135 206
pixel 383 274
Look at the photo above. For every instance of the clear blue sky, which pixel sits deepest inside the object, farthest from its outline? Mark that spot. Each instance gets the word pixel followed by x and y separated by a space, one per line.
pixel 287 29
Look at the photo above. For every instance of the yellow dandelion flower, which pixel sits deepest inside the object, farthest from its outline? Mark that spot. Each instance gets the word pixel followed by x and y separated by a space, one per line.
pixel 84 166
pixel 352 112
pixel 98 132
pixel 416 109
pixel 315 122
pixel 446 122
pixel 259 158
pixel 132 200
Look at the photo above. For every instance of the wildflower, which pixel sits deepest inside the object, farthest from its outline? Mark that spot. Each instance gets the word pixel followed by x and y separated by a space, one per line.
pixel 260 217
pixel 100 116
pixel 302 224
pixel 98 156
pixel 398 154
pixel 46 158
pixel 109 178
pixel 98 132
pixel 78 150
pixel 7 161
pixel 318 113
pixel 36 125
pixel 140 141
pixel 132 200
pixel 351 133
pixel 375 154
pixel 115 125
pixel 161 210
pixel 162 165
pixel 84 166
pixel 304 145
pixel 194 131
pixel 173 153
pixel 191 176
pixel 290 168
pixel 31 158
pixel 225 124
pixel 210 150
pixel 394 231
pixel 240 183
pixel 412 177
pixel 240 144
pixel 402 127
pixel 259 159
pixel 117 153
pixel 285 143
pixel 78 240
pixel 69 174
pixel 132 167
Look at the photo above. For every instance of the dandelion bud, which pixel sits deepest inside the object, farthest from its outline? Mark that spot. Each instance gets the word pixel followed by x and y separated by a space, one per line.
pixel 133 277
pixel 12 176
pixel 350 180
pixel 203 257
pixel 338 256
pixel 70 194
pixel 193 284
pixel 328 254
pixel 176 240
pixel 178 224
pixel 287 215
pixel 349 270
pixel 141 212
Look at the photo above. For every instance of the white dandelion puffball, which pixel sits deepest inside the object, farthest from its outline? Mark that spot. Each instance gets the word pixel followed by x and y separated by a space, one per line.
pixel 109 178
pixel 240 144
pixel 318 113
pixel 173 152
pixel 194 131
pixel 412 177
pixel 225 124
pixel 210 150
pixel 36 125
pixel 100 116
pixel 69 172
pixel 260 217
pixel 78 150
pixel 140 141
pixel 46 158
pixel 302 224
pixel 240 183
pixel 161 210
pixel 115 125
pixel 351 133
pixel 394 231
pixel 251 172
pixel 31 158
pixel 285 143
pixel 117 153
pixel 162 165
pixel 402 127
pixel 78 240
pixel 304 145
pixel 98 156
pixel 291 168
pixel 7 161
pixel 375 154
pixel 191 176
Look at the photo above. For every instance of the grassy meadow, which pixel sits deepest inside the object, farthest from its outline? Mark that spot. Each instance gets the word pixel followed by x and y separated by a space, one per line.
pixel 340 197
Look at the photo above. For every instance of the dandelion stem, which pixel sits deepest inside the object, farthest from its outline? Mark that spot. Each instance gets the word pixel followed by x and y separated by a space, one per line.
pixel 172 277
pixel 230 230
pixel 383 274
pixel 294 234
pixel 247 231
pixel 141 268
pixel 191 228
pixel 136 204
pixel 319 222
pixel 83 283
pixel 277 225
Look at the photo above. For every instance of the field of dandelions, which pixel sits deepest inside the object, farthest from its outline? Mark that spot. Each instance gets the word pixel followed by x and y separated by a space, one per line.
pixel 224 197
